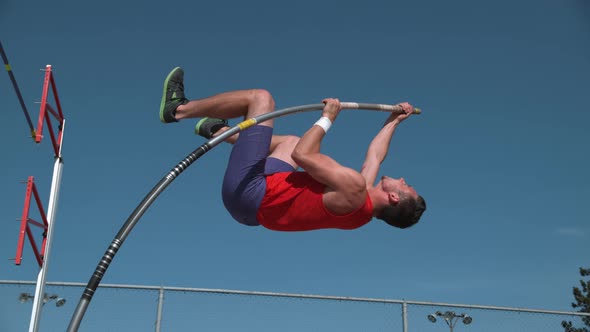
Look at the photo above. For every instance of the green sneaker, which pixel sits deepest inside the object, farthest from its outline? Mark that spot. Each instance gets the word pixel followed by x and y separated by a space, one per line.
pixel 206 127
pixel 173 95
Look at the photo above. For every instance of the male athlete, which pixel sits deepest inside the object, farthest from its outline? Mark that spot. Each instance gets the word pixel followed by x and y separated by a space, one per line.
pixel 261 185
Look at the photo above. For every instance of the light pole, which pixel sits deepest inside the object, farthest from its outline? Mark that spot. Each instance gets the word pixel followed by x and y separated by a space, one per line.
pixel 451 318
pixel 59 301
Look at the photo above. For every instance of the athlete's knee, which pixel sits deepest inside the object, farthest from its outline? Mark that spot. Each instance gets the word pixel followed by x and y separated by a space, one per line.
pixel 263 98
pixel 291 141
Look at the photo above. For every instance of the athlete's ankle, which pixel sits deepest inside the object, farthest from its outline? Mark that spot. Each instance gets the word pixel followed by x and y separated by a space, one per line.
pixel 180 112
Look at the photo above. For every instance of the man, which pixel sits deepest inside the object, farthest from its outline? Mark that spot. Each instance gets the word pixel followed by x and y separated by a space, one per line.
pixel 261 185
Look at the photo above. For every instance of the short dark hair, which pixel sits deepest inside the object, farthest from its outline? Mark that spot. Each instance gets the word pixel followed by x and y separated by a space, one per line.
pixel 406 213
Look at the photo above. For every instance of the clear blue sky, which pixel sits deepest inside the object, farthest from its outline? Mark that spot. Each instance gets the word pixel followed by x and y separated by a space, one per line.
pixel 500 152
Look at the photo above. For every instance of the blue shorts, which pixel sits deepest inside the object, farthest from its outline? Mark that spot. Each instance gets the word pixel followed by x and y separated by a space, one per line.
pixel 244 183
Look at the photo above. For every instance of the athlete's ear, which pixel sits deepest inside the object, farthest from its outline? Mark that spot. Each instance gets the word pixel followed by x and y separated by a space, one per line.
pixel 393 198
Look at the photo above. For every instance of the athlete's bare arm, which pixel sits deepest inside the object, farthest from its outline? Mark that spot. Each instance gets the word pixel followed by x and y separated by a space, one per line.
pixel 379 146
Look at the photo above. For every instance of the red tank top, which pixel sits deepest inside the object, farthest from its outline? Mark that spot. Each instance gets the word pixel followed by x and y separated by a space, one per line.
pixel 293 202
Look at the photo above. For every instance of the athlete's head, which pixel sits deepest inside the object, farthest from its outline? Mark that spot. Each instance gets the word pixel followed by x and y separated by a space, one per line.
pixel 405 205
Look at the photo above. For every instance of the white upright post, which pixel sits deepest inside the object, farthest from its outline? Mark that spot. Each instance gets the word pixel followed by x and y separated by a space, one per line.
pixel 51 211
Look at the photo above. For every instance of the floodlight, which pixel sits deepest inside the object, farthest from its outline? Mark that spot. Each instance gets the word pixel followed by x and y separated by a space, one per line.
pixel 24 297
pixel 61 301
pixel 431 318
pixel 448 315
pixel 467 319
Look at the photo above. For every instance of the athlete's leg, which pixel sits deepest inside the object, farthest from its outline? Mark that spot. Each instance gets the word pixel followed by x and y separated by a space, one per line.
pixel 228 105
pixel 244 184
pixel 281 146
pixel 233 104
pixel 276 139
pixel 247 103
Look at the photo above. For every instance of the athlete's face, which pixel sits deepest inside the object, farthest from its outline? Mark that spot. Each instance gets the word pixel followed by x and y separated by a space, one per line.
pixel 391 185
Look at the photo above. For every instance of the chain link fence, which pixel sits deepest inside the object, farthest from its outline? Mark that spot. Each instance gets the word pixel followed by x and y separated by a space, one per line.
pixel 152 308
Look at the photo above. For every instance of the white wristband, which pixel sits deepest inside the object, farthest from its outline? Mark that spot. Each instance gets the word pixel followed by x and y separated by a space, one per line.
pixel 324 122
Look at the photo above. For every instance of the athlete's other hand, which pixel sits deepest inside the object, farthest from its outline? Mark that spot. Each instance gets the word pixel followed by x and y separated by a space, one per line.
pixel 408 110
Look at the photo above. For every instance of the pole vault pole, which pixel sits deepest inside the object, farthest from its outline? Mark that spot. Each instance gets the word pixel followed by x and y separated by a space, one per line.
pixel 115 245
pixel 17 90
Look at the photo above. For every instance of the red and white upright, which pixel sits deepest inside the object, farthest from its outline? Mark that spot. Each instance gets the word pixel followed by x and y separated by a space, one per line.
pixel 54 121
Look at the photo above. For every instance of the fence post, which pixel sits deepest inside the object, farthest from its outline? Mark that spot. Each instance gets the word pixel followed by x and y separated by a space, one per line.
pixel 160 305
pixel 405 316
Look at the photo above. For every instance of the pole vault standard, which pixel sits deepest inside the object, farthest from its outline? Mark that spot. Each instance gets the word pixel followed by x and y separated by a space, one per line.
pixel 108 256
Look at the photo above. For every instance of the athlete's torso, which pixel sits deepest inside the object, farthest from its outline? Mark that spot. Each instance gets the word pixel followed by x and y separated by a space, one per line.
pixel 294 202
